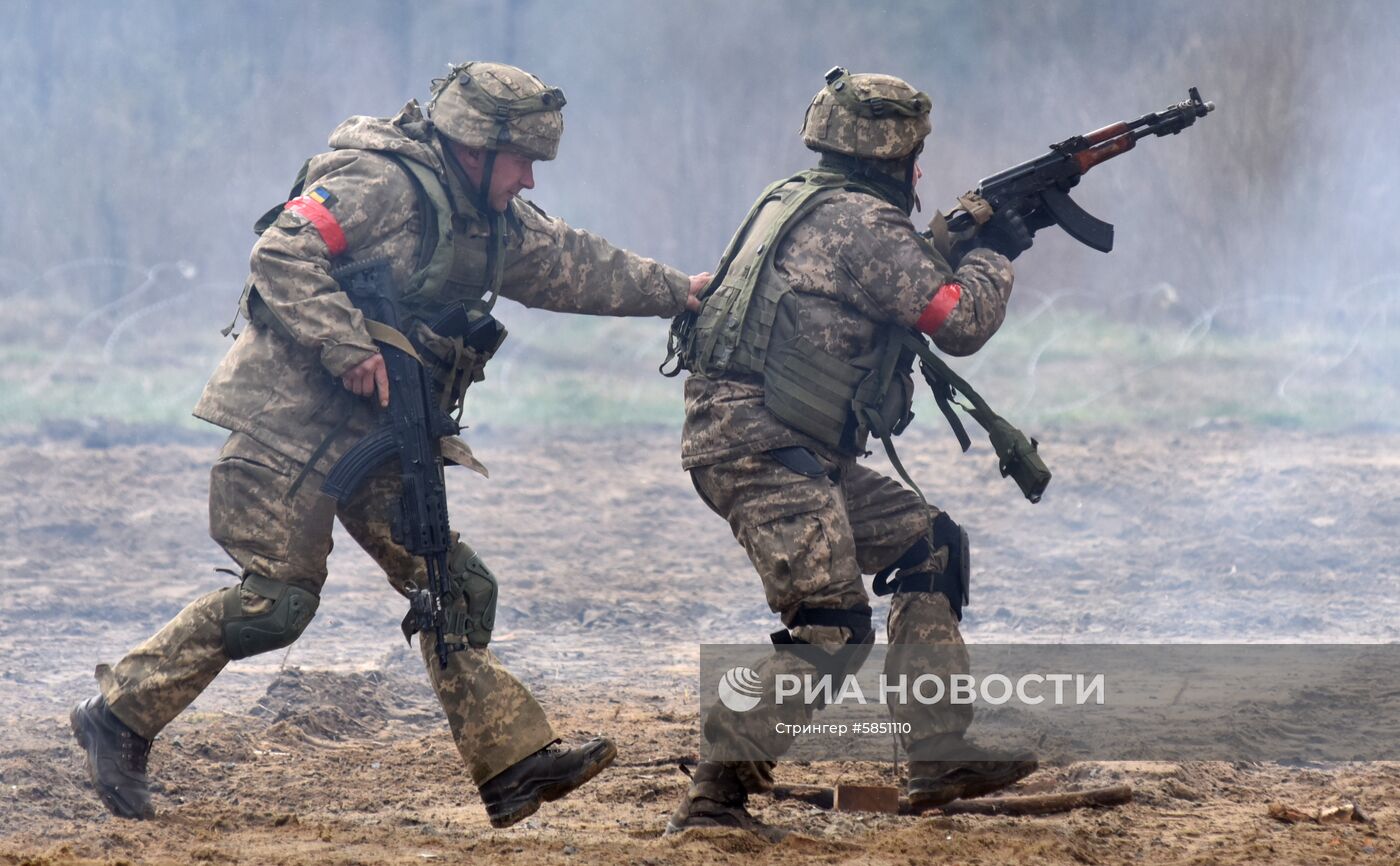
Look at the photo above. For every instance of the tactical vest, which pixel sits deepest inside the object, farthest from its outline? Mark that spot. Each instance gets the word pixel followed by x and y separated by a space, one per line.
pixel 452 269
pixel 746 327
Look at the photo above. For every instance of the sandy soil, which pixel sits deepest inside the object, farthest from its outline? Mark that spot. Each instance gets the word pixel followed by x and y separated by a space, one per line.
pixel 613 573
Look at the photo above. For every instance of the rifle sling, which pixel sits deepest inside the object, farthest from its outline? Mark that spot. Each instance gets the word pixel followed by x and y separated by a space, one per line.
pixel 888 441
pixel 1016 453
pixel 318 454
pixel 391 336
pixel 942 396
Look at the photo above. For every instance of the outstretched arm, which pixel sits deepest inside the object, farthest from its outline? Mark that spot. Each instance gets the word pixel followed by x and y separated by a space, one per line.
pixel 556 267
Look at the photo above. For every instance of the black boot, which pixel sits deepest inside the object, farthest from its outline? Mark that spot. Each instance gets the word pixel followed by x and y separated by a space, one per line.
pixel 116 759
pixel 516 792
pixel 716 799
pixel 961 769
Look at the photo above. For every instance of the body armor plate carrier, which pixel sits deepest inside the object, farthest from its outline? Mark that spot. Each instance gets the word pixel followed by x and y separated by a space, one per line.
pixel 745 329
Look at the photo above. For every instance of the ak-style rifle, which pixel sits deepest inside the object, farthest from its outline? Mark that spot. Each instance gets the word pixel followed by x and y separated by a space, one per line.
pixel 1038 189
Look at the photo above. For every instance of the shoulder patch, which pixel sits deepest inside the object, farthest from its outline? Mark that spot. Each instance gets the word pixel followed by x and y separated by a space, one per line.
pixel 320 195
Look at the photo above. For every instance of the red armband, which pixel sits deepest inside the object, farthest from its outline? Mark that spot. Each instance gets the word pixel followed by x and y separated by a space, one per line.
pixel 940 308
pixel 311 206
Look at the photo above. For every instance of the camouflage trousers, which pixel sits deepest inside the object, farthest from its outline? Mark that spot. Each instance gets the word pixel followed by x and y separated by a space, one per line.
pixel 280 530
pixel 811 539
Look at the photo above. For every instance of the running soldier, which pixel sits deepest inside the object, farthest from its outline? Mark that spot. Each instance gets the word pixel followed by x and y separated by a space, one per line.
pixel 436 194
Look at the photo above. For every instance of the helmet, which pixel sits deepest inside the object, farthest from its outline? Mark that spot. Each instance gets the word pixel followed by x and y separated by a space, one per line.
pixel 865 115
pixel 492 105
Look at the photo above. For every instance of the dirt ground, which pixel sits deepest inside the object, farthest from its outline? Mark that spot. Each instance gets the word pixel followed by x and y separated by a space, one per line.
pixel 613 572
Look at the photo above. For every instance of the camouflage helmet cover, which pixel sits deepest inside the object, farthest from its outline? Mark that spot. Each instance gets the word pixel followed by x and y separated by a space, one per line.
pixel 866 115
pixel 492 105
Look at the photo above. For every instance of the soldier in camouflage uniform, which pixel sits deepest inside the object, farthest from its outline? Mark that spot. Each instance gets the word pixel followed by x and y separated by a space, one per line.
pixel 790 342
pixel 436 195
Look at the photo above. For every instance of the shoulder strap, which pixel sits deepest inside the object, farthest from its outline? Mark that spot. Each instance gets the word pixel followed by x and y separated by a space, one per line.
pixel 744 314
pixel 796 202
pixel 438 252
pixel 435 208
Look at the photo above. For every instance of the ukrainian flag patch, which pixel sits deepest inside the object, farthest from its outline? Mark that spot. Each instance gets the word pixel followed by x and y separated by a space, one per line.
pixel 320 195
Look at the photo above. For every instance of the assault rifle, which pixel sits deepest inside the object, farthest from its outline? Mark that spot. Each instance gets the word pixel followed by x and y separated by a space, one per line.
pixel 1039 188
pixel 411 429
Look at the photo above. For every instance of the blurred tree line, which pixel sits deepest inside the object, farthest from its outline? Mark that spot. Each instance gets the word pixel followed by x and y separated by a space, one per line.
pixel 156 131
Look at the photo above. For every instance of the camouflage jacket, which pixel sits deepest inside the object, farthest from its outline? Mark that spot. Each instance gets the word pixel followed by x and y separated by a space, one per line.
pixel 854 262
pixel 279 383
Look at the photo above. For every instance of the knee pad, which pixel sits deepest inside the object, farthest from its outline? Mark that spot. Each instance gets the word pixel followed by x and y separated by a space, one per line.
pixel 473 613
pixel 278 626
pixel 846 660
pixel 954 580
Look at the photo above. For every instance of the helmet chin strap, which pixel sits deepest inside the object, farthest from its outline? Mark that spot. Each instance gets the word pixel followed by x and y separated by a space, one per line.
pixel 503 116
pixel 483 195
pixel 911 180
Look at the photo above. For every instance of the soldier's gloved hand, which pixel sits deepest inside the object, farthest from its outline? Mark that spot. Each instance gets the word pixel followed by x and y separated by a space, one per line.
pixel 1006 232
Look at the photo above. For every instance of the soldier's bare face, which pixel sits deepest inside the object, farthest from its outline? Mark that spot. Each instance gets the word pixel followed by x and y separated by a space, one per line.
pixel 511 174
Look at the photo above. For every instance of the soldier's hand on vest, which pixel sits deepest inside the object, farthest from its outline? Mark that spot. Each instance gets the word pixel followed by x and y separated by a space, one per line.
pixel 367 377
pixel 698 282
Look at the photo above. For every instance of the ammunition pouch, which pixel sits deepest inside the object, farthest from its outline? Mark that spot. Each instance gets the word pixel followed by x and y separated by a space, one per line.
pixel 1018 457
pixel 455 347
pixel 279 626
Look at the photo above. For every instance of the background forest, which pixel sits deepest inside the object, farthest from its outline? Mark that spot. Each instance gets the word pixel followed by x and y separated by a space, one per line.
pixel 1253 279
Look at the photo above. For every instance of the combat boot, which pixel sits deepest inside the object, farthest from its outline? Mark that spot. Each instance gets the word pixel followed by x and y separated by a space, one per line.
pixel 717 799
pixel 516 792
pixel 116 759
pixel 965 770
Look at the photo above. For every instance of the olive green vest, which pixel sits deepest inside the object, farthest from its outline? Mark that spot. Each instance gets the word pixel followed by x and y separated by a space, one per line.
pixel 451 267
pixel 745 328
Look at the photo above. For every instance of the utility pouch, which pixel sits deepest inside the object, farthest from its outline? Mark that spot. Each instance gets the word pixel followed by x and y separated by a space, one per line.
pixel 458 343
pixel 1018 456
